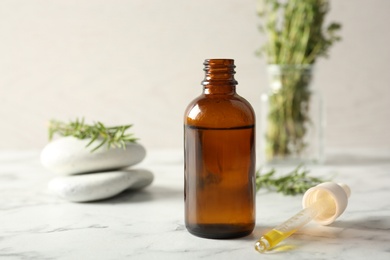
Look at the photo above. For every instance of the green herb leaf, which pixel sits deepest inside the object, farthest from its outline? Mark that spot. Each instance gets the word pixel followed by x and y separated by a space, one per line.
pixel 295 182
pixel 115 136
pixel 296 30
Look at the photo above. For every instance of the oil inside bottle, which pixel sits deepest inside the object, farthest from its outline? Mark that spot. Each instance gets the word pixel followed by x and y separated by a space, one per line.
pixel 219 181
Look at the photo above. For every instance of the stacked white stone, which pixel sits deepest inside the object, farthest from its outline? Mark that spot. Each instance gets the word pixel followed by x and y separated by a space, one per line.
pixel 90 176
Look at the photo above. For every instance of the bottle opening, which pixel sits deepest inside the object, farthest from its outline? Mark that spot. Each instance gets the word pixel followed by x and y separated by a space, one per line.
pixel 219 71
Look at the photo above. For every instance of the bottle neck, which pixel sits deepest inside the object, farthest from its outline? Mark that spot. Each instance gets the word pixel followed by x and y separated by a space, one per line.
pixel 219 76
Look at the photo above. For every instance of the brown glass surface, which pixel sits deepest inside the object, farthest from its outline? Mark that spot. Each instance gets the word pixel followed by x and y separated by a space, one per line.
pixel 219 158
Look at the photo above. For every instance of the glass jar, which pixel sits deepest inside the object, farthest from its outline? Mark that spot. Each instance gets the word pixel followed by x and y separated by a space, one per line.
pixel 292 121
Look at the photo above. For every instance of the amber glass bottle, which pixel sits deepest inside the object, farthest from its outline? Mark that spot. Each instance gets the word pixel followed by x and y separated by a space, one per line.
pixel 219 151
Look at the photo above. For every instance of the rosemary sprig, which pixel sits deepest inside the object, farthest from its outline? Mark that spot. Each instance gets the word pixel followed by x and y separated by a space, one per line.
pixel 114 136
pixel 295 182
pixel 295 30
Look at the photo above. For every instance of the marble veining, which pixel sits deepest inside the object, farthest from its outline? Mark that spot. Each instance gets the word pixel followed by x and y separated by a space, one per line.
pixel 149 224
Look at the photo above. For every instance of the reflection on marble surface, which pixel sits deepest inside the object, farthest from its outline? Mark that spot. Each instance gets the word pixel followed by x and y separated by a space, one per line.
pixel 147 224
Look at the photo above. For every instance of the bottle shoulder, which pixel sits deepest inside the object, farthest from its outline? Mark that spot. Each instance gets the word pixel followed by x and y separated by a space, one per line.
pixel 219 111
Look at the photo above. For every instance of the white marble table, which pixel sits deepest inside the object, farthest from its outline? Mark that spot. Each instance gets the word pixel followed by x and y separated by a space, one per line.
pixel 148 224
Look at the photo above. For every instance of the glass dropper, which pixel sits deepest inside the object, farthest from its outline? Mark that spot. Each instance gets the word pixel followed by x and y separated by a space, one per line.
pixel 323 203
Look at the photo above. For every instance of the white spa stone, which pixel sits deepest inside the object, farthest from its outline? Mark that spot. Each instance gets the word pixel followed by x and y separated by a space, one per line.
pixel 69 155
pixel 98 186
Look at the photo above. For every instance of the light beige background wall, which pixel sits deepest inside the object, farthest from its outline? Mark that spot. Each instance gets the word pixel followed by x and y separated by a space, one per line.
pixel 140 62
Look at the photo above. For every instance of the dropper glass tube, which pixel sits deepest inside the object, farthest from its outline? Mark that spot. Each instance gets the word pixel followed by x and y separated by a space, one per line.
pixel 324 205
